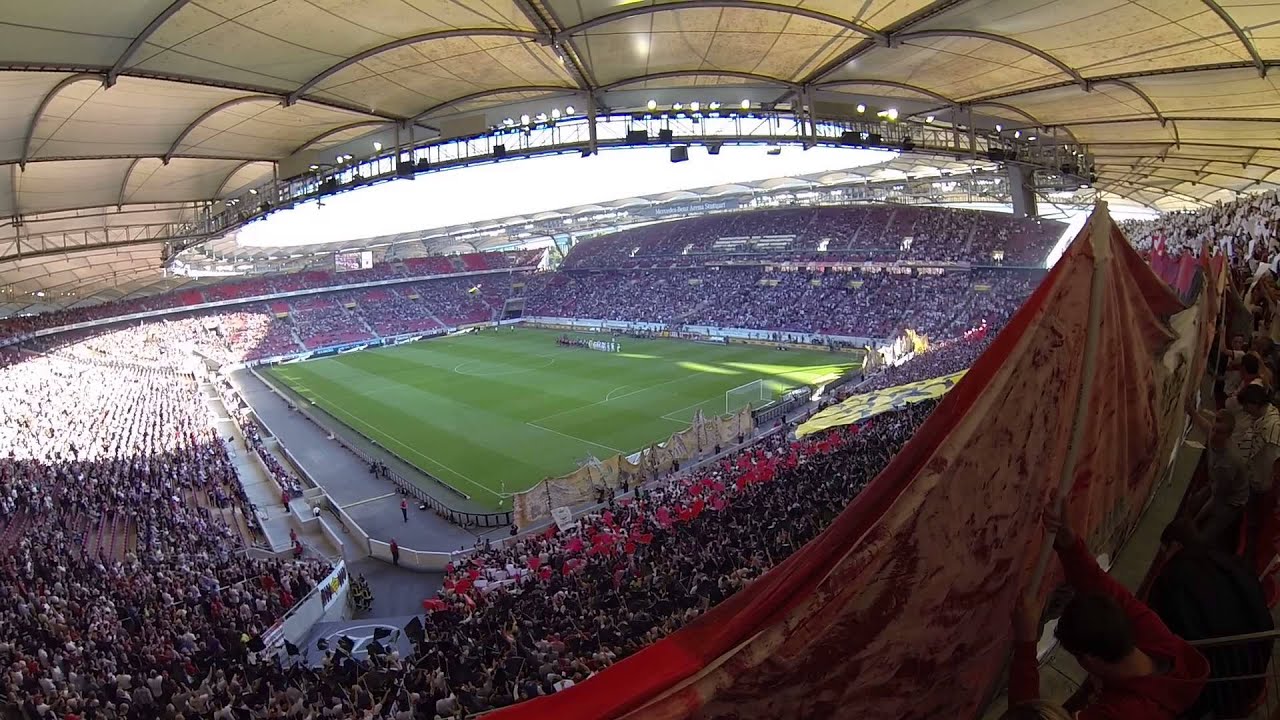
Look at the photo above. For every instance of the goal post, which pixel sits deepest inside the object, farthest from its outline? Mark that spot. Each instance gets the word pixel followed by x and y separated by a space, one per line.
pixel 755 393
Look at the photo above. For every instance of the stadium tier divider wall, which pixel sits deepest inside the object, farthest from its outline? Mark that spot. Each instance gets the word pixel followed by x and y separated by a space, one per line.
pixel 708 332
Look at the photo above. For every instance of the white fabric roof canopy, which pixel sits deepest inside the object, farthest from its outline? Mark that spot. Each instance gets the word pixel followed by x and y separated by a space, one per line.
pixel 158 105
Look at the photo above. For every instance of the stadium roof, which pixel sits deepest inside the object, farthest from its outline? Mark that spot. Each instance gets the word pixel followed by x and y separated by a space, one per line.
pixel 117 118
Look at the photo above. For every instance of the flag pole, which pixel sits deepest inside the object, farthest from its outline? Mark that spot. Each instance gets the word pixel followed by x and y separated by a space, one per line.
pixel 1100 240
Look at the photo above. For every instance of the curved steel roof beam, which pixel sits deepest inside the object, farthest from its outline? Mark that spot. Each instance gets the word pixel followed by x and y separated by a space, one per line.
pixel 1148 173
pixel 13 189
pixel 138 41
pixel 63 84
pixel 330 133
pixel 993 37
pixel 1136 91
pixel 737 4
pixel 1209 67
pixel 888 83
pixel 766 79
pixel 173 149
pixel 217 194
pixel 292 97
pixel 1144 188
pixel 1024 114
pixel 124 183
pixel 496 91
pixel 1239 33
pixel 1100 156
pixel 857 51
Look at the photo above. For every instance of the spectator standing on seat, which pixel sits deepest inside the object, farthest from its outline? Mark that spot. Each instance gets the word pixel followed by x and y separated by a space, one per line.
pixel 1265 448
pixel 1221 504
pixel 1140 669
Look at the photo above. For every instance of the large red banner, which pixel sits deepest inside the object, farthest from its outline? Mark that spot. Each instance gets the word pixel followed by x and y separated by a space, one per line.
pixel 900 609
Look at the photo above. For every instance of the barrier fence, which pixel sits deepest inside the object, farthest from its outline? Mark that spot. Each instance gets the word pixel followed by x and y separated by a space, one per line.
pixel 1244 679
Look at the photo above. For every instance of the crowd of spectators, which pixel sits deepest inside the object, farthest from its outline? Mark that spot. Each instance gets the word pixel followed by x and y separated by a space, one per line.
pixel 867 232
pixel 1247 230
pixel 868 305
pixel 118 623
pixel 234 289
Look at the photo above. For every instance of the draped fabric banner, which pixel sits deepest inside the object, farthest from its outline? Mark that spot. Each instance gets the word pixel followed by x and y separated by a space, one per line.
pixel 579 487
pixel 864 405
pixel 900 609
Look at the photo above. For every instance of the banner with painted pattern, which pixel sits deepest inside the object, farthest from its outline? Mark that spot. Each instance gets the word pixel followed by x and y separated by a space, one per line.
pixel 860 407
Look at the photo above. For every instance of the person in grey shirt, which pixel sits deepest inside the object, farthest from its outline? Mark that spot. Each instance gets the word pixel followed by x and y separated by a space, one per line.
pixel 1222 504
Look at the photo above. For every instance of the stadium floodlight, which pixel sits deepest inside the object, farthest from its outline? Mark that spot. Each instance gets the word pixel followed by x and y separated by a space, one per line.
pixel 340 159
pixel 891 113
pixel 714 105
pixel 524 119
pixel 652 104
pixel 508 122
pixel 746 104
pixel 754 394
pixel 555 113
pixel 929 119
pixel 677 106
pixel 861 108
pixel 541 117
pixel 1017 133
pixel 315 167
pixel 695 105
pixel 253 191
pixel 999 128
pixel 568 110
pixel 377 146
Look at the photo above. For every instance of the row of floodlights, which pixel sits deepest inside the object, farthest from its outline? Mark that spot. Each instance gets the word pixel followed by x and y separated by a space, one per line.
pixel 540 117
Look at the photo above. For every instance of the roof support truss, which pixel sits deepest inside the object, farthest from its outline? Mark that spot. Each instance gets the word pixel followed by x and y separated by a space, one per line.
pixel 544 19
pixel 938 6
pixel 63 84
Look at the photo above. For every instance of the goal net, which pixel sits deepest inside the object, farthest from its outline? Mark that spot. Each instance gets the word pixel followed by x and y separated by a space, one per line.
pixel 755 393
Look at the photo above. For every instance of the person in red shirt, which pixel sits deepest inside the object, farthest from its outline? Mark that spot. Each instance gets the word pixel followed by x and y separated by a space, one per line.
pixel 404 508
pixel 1140 670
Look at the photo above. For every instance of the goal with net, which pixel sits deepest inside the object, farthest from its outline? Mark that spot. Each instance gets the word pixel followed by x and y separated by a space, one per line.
pixel 755 393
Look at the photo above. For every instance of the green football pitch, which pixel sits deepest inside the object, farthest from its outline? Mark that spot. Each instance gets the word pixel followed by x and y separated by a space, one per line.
pixel 492 413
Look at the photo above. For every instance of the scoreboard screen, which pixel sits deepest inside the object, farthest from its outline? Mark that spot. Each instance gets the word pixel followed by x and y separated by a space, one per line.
pixel 362 260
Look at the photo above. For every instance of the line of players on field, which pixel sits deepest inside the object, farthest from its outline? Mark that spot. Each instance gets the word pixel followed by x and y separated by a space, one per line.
pixel 600 345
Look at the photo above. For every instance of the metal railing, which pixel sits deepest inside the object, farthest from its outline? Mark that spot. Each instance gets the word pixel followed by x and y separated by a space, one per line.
pixel 1243 679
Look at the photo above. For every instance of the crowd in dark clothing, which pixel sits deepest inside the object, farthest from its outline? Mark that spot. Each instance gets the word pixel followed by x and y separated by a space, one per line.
pixel 122 586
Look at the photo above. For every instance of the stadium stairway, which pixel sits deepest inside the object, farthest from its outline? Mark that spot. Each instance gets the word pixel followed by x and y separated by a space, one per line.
pixel 258 486
pixel 361 322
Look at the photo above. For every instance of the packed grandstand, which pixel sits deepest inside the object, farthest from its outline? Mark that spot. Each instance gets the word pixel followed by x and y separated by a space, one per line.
pixel 897 301
pixel 128 591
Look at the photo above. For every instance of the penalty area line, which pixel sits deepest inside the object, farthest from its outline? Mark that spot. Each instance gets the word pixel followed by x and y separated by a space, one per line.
pixel 573 437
